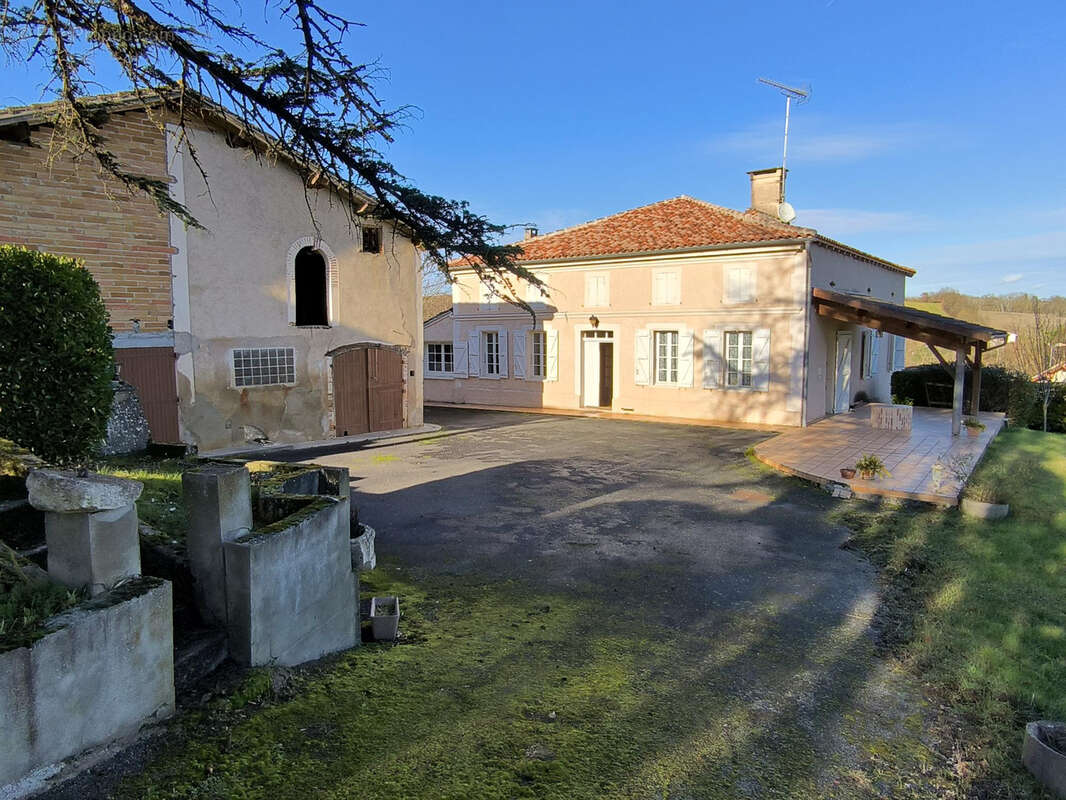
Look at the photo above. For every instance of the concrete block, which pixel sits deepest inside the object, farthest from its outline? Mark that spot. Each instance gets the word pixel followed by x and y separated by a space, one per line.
pixel 218 497
pixel 69 492
pixel 291 593
pixel 104 672
pixel 363 555
pixel 93 549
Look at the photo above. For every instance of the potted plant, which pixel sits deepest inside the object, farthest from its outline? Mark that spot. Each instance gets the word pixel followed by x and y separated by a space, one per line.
pixel 870 467
pixel 385 618
pixel 983 499
pixel 974 426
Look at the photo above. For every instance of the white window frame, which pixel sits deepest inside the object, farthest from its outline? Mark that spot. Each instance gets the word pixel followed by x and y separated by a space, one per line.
pixel 675 356
pixel 486 337
pixel 532 373
pixel 671 297
pixel 436 373
pixel 332 278
pixel 738 361
pixel 591 298
pixel 241 387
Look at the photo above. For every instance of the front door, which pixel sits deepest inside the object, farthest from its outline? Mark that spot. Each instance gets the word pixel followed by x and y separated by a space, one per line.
pixel 842 395
pixel 606 374
pixel 368 390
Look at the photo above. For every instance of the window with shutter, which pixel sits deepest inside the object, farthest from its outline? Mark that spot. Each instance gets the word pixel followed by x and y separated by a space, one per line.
pixel 739 285
pixel 666 357
pixel 666 288
pixel 538 355
pixel 597 291
pixel 899 345
pixel 738 358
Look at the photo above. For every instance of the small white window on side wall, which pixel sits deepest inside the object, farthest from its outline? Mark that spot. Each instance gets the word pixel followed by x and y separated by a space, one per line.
pixel 597 290
pixel 666 287
pixel 738 285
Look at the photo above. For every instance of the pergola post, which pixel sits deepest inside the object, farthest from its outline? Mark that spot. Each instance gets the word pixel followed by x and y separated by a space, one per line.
pixel 960 385
pixel 975 379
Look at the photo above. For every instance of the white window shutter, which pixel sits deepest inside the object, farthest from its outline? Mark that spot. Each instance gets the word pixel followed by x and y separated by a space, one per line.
pixel 502 338
pixel 551 341
pixel 712 358
pixel 642 358
pixel 875 354
pixel 459 369
pixel 900 346
pixel 760 360
pixel 474 354
pixel 749 285
pixel 684 359
pixel 590 290
pixel 518 354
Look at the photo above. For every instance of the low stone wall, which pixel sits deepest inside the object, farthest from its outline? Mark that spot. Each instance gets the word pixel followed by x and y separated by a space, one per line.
pixel 107 669
pixel 292 593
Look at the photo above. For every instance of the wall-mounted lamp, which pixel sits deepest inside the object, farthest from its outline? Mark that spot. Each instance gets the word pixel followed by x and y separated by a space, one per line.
pixel 594 321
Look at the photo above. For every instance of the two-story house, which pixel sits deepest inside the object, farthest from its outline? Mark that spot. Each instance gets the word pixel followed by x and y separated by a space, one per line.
pixel 676 309
pixel 292 315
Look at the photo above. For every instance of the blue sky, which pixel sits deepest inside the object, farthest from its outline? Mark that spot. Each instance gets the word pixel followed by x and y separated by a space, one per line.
pixel 934 136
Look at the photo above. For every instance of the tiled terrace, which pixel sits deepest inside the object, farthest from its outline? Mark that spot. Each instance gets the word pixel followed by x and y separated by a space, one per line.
pixel 927 463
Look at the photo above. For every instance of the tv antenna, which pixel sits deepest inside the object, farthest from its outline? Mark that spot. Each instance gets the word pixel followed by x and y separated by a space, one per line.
pixel 800 96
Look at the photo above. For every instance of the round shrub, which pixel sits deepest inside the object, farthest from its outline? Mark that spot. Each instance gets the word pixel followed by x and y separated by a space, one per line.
pixel 56 363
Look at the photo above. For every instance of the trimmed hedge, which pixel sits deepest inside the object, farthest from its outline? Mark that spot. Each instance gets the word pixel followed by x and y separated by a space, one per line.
pixel 1001 390
pixel 56 363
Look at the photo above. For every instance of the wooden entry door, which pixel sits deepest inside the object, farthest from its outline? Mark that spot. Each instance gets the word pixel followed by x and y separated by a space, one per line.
pixel 367 390
pixel 606 374
pixel 150 370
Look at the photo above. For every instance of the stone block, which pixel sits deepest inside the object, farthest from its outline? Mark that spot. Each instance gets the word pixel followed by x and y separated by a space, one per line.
pixel 93 549
pixel 127 427
pixel 888 417
pixel 292 595
pixel 363 555
pixel 103 673
pixel 218 499
pixel 68 492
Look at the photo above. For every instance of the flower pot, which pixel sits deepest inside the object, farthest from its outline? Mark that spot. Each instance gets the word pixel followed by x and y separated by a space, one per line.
pixel 847 473
pixel 1045 762
pixel 867 474
pixel 385 618
pixel 972 431
pixel 979 510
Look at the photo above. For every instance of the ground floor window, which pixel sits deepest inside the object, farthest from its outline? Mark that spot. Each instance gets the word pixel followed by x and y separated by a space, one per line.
pixel 441 357
pixel 538 359
pixel 264 366
pixel 738 358
pixel 490 341
pixel 666 356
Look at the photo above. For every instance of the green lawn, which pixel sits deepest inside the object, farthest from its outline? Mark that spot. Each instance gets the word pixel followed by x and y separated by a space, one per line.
pixel 978 609
pixel 160 505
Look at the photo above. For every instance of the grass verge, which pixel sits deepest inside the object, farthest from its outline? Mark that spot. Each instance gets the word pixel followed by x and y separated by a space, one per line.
pixel 161 505
pixel 975 608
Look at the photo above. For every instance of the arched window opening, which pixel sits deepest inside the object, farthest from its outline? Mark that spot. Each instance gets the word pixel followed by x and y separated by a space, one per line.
pixel 312 306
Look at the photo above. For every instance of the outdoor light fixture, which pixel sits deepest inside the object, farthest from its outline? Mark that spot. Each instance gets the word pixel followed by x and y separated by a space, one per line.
pixel 594 321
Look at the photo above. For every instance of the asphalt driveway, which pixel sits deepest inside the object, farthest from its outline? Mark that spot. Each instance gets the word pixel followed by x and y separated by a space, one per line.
pixel 749 609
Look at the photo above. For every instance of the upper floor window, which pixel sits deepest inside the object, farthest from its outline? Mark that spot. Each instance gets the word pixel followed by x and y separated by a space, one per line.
pixel 665 287
pixel 666 360
pixel 371 239
pixel 490 348
pixel 597 290
pixel 738 351
pixel 739 285
pixel 312 287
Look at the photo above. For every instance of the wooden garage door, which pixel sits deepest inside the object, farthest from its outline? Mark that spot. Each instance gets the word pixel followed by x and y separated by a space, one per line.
pixel 368 390
pixel 150 370
pixel 385 368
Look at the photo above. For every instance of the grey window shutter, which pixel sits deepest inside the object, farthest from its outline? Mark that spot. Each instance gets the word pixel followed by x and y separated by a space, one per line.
pixel 518 354
pixel 712 358
pixel 760 360
pixel 900 346
pixel 459 368
pixel 642 358
pixel 875 353
pixel 474 354
pixel 684 359
pixel 551 341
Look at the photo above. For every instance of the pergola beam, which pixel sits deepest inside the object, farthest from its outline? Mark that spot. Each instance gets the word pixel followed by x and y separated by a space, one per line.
pixel 906 330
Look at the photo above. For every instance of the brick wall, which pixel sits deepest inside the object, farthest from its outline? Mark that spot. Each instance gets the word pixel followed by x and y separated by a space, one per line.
pixel 66 208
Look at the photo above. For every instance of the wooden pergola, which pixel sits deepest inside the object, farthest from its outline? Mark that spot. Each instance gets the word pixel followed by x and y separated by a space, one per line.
pixel 934 330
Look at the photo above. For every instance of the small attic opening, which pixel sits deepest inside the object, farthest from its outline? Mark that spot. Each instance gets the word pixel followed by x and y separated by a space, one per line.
pixel 312 306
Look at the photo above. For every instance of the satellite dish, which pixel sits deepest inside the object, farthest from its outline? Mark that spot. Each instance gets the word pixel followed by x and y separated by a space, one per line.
pixel 785 212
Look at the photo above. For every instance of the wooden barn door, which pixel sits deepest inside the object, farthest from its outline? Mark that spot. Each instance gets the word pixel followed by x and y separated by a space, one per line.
pixel 350 392
pixel 385 369
pixel 150 370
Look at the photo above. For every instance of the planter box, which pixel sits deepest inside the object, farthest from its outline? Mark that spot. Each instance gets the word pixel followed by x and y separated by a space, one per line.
pixel 888 417
pixel 385 618
pixel 106 669
pixel 1045 763
pixel 979 510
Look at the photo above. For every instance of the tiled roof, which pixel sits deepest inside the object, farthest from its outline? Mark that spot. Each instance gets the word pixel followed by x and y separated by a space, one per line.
pixel 434 304
pixel 680 223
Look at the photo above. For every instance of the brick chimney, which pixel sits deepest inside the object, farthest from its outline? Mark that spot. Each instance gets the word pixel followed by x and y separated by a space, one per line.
pixel 767 190
pixel 531 231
